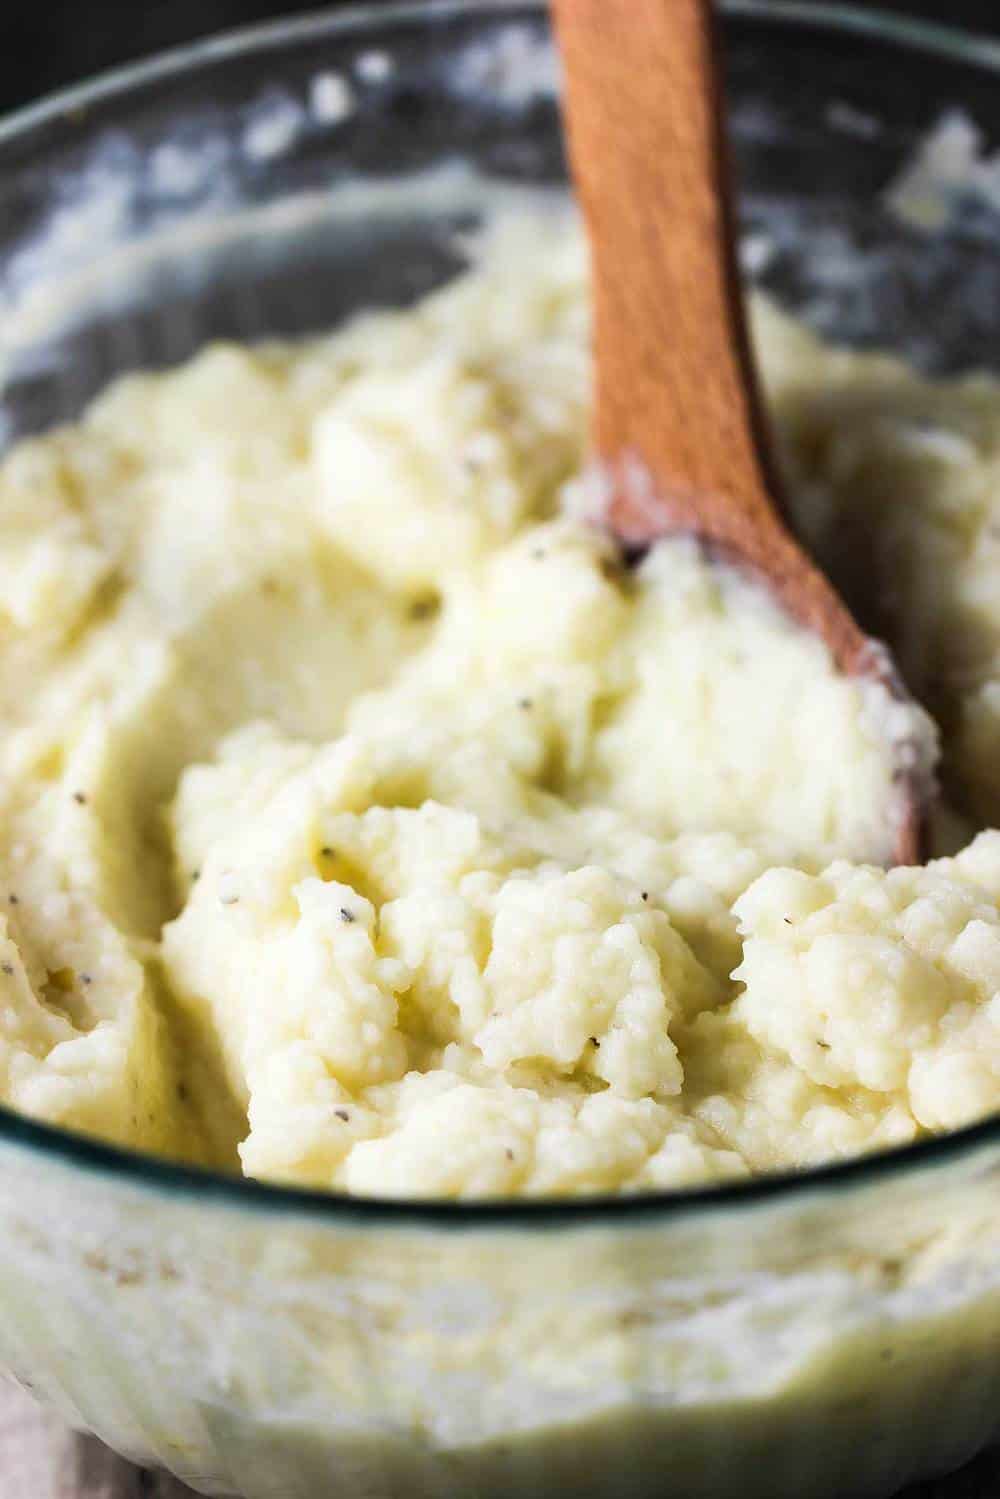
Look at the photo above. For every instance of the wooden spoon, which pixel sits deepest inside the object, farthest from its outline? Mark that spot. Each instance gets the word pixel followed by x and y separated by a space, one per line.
pixel 678 423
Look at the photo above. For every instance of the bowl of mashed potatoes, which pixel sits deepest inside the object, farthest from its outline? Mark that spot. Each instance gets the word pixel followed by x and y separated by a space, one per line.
pixel 457 1031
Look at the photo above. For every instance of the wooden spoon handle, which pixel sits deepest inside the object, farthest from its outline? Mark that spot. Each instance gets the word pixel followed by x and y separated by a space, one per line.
pixel 678 419
pixel 675 385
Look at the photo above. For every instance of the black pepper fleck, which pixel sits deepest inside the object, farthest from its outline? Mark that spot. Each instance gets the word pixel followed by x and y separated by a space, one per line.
pixel 645 894
pixel 8 968
pixel 326 852
pixel 14 900
pixel 524 702
pixel 594 1041
pixel 80 798
pixel 787 920
pixel 343 1114
pixel 85 978
pixel 346 915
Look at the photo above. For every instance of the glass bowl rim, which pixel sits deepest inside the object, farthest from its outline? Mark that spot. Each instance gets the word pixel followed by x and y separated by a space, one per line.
pixel 198 1185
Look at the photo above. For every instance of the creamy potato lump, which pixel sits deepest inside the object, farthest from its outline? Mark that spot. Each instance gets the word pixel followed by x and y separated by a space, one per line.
pixel 369 823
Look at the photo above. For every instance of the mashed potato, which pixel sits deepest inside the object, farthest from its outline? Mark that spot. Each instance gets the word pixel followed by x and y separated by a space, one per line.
pixel 367 823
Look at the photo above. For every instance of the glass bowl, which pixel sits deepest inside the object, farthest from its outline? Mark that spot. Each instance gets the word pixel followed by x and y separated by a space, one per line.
pixel 835 1333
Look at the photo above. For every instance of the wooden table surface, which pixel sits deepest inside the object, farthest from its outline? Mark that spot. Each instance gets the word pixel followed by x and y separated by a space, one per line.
pixel 40 1459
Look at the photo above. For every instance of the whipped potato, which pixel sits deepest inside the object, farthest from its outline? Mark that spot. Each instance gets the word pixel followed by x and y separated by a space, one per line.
pixel 368 823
